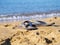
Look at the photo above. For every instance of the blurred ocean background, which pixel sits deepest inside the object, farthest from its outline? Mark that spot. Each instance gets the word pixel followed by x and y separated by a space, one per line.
pixel 28 6
pixel 28 9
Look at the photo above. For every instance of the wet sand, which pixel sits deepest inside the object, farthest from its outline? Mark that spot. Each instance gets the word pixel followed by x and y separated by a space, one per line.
pixel 44 35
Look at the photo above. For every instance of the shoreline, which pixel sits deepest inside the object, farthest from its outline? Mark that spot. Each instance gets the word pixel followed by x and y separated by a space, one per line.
pixel 34 16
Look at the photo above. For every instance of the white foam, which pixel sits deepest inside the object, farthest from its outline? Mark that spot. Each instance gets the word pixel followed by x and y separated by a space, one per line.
pixel 15 18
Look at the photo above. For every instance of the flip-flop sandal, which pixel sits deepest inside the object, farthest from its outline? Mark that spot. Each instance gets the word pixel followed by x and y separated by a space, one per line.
pixel 43 23
pixel 32 28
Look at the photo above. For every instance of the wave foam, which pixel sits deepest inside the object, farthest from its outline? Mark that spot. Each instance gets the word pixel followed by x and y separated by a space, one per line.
pixel 18 18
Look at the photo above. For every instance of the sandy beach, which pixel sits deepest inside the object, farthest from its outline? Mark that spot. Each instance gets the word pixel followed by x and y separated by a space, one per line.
pixel 29 22
pixel 21 36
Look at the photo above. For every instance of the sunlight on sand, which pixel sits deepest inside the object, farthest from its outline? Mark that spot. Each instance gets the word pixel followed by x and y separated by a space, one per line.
pixel 21 36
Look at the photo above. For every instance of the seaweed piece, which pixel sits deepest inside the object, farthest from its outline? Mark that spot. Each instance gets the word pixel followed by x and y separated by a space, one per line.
pixel 7 42
pixel 48 41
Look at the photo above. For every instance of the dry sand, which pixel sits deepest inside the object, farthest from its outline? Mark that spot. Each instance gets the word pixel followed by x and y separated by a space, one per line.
pixel 44 35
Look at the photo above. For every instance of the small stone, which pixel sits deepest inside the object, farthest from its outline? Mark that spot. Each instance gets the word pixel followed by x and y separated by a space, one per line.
pixel 55 17
pixel 6 25
pixel 13 28
pixel 53 38
pixel 37 33
pixel 59 30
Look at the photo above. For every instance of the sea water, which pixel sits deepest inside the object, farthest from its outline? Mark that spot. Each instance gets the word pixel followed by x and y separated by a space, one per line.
pixel 28 6
pixel 9 9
